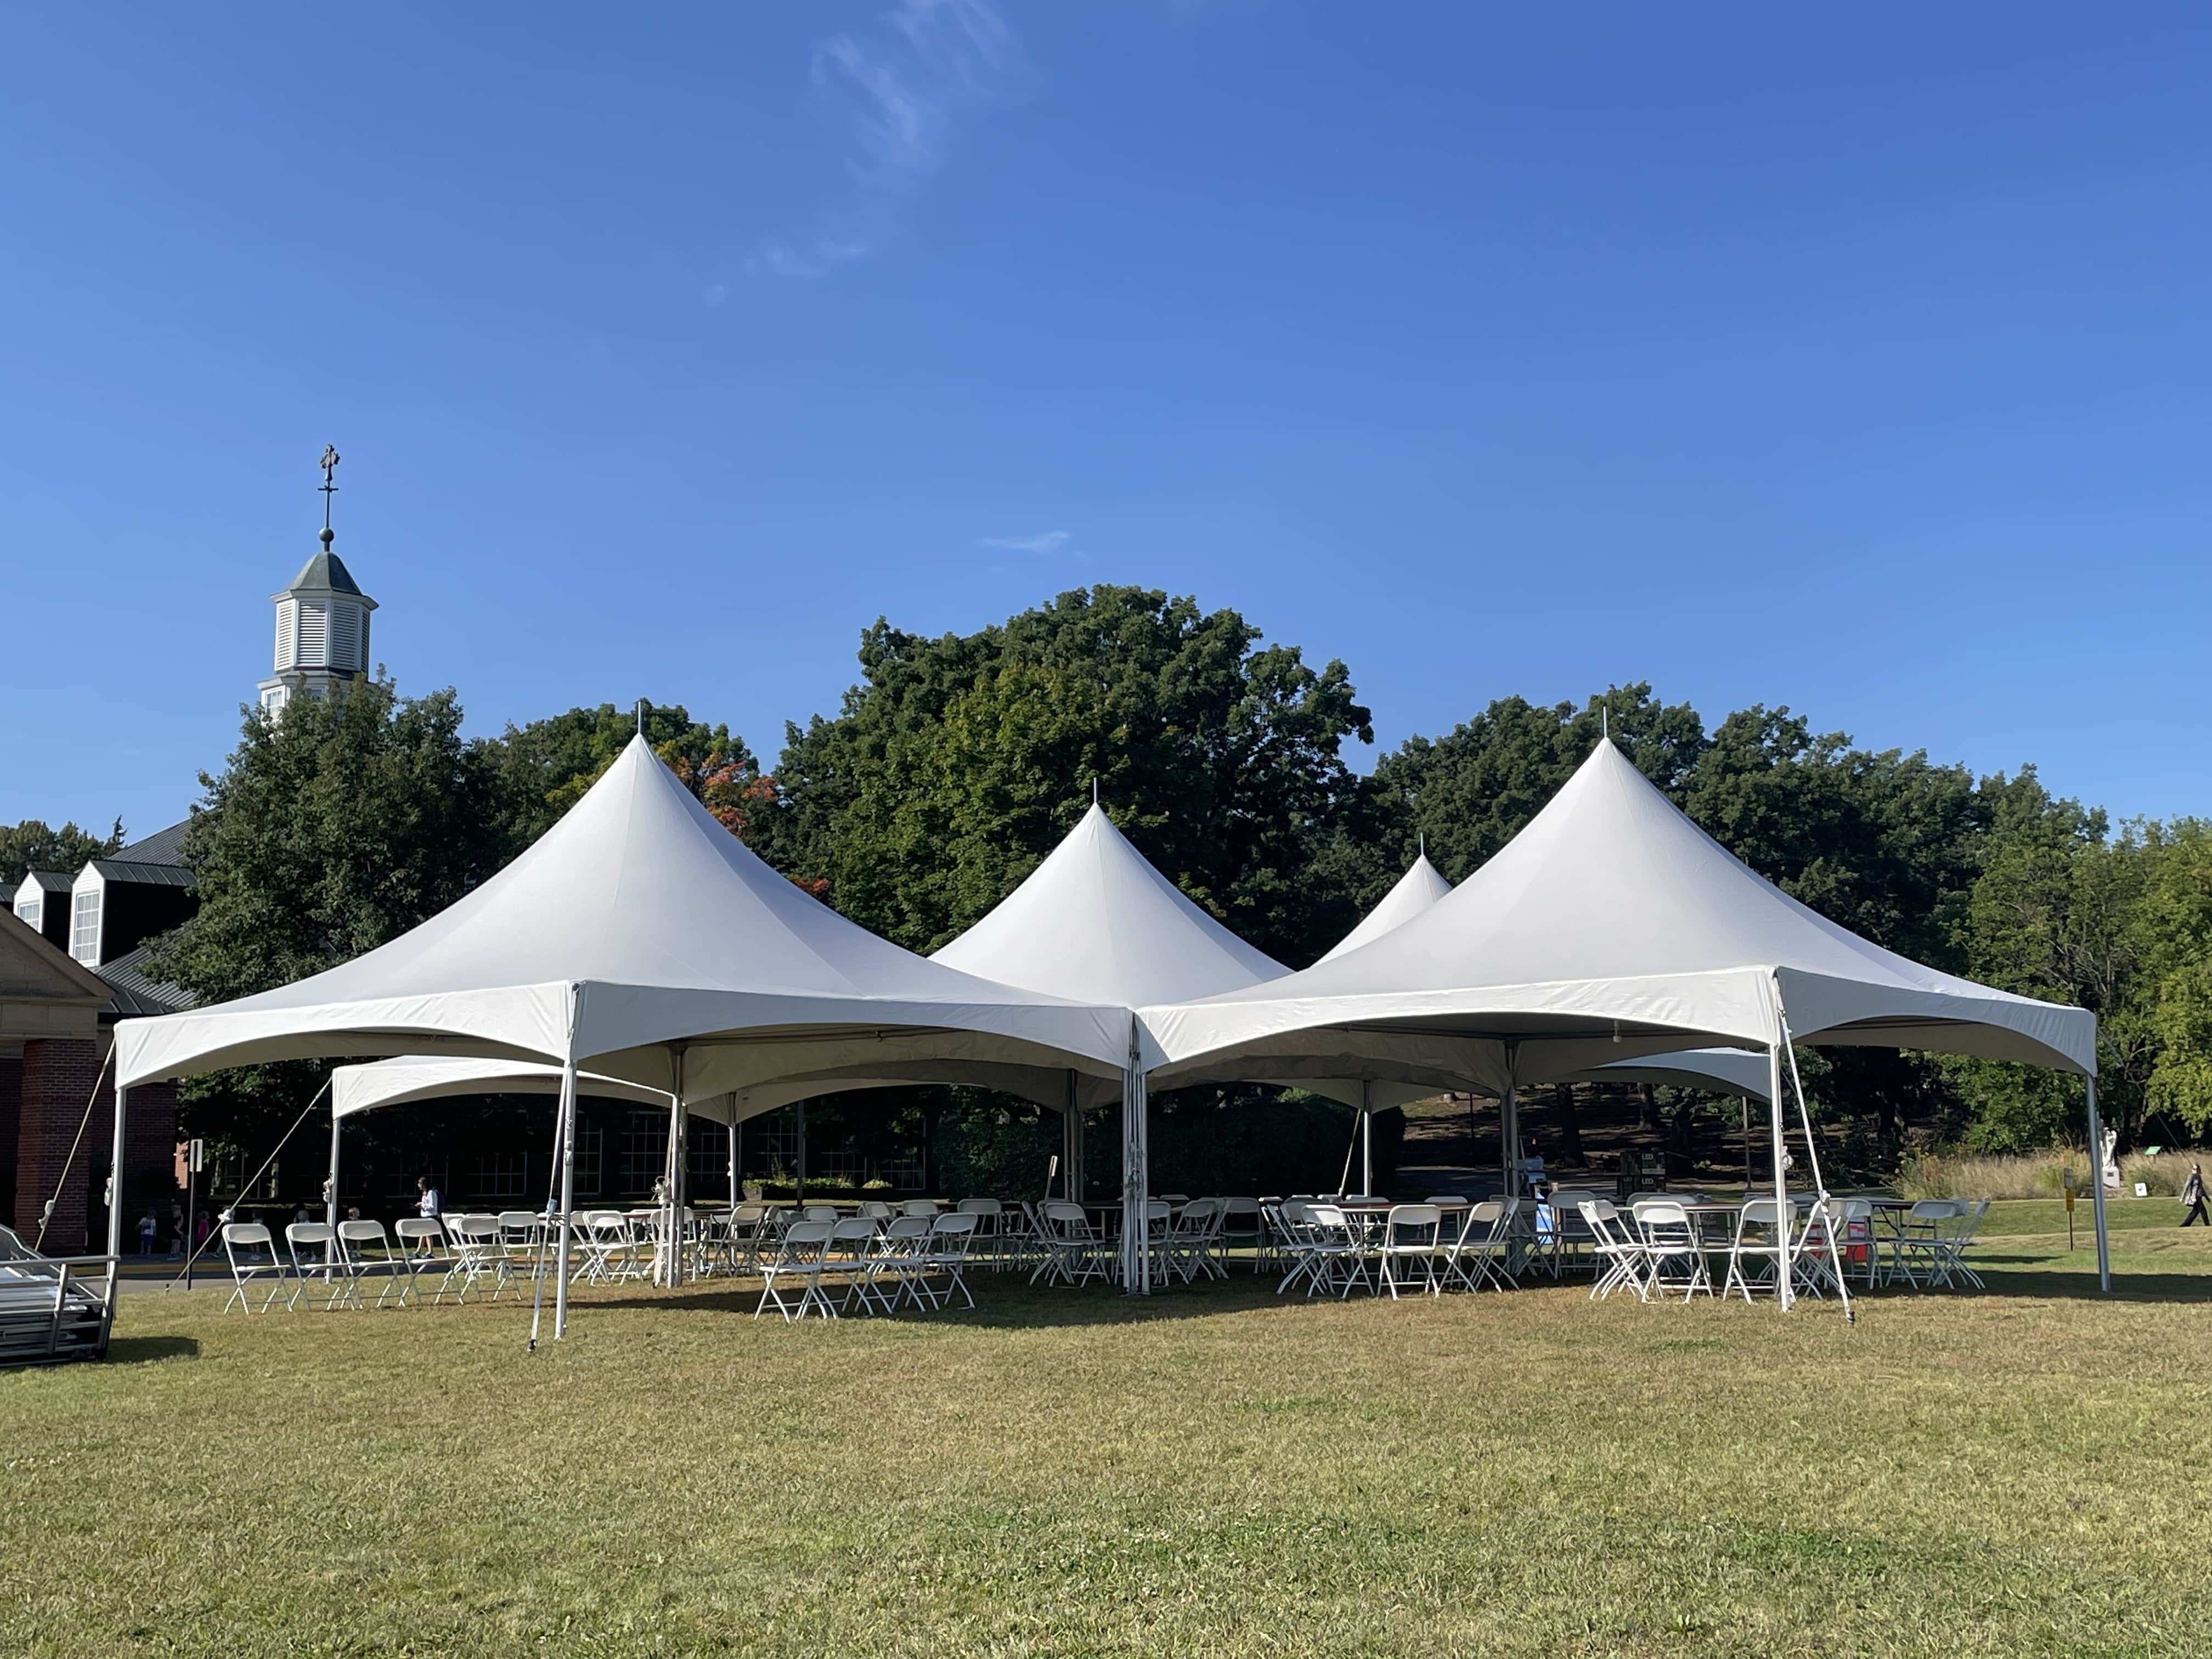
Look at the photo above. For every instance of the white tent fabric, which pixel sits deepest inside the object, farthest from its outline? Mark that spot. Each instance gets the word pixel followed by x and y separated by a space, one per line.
pixel 1421 886
pixel 637 922
pixel 426 1077
pixel 1610 914
pixel 1095 922
pixel 1724 1070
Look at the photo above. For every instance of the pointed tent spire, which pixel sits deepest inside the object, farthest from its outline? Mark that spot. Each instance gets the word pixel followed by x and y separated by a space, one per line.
pixel 1095 922
pixel 1421 886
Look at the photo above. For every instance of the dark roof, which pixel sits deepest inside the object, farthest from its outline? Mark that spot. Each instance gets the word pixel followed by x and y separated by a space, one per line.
pixel 325 570
pixel 135 993
pixel 146 875
pixel 163 846
pixel 52 881
pixel 7 894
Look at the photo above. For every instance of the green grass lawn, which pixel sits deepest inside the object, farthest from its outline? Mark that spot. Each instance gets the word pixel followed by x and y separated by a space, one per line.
pixel 1216 1472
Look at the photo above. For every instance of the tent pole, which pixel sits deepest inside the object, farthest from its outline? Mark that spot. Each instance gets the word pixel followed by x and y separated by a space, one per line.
pixel 1366 1139
pixel 331 1198
pixel 568 1114
pixel 1070 1145
pixel 2096 1187
pixel 1136 1176
pixel 731 1145
pixel 1509 1126
pixel 115 1188
pixel 800 1200
pixel 679 1164
pixel 1783 1217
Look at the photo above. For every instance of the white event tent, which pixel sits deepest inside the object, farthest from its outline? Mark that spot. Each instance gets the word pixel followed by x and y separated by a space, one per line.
pixel 1611 927
pixel 639 935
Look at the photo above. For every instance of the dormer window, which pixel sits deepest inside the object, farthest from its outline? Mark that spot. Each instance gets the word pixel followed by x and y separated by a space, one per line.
pixel 84 929
pixel 30 910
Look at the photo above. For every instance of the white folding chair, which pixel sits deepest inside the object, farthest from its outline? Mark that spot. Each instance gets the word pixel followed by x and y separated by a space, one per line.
pixel 1670 1239
pixel 946 1258
pixel 922 1206
pixel 1958 1236
pixel 421 1244
pixel 1618 1249
pixel 894 1263
pixel 1073 1249
pixel 989 1213
pixel 1337 1247
pixel 1408 1250
pixel 797 1264
pixel 1189 1240
pixel 1756 1253
pixel 1241 1228
pixel 476 1255
pixel 1919 1252
pixel 368 1252
pixel 1480 1254
pixel 316 1254
pixel 251 1251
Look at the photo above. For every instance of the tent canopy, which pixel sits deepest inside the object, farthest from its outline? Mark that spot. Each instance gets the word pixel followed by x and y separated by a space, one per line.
pixel 1095 923
pixel 438 1077
pixel 1724 1070
pixel 1611 927
pixel 637 922
pixel 1421 886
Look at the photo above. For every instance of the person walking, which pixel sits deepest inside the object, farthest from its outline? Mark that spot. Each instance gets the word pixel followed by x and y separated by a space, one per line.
pixel 2192 1198
pixel 429 1203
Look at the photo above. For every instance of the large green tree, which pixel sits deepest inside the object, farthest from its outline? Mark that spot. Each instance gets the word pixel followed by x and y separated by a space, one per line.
pixel 332 828
pixel 959 763
pixel 546 766
pixel 36 845
pixel 1469 792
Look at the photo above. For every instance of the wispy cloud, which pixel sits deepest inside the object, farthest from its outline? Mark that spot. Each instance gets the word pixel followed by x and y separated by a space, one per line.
pixel 816 258
pixel 1045 542
pixel 901 89
pixel 904 85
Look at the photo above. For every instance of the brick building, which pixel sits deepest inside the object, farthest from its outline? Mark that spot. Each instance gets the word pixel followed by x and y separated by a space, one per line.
pixel 56 1025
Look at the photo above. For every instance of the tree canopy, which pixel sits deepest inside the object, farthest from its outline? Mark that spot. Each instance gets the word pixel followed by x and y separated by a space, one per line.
pixel 36 845
pixel 959 762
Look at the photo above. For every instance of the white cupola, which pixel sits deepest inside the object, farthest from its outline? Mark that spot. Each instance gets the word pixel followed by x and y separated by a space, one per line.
pixel 322 623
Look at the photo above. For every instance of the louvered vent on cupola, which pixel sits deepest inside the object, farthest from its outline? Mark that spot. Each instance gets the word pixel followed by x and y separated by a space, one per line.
pixel 345 637
pixel 314 634
pixel 284 634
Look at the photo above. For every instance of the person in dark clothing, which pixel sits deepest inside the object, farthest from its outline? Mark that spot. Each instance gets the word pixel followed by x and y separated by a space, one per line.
pixel 2192 1197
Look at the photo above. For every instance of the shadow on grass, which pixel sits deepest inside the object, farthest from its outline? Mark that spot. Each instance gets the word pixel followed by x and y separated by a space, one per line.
pixel 145 1350
pixel 2127 1287
pixel 1003 1306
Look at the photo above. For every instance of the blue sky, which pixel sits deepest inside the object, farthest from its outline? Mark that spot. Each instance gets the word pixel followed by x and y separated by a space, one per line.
pixel 1774 354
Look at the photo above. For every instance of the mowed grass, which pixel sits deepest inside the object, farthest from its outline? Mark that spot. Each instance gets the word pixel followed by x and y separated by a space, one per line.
pixel 1218 1472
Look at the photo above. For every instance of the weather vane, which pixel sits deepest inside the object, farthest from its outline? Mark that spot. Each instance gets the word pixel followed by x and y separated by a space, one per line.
pixel 330 464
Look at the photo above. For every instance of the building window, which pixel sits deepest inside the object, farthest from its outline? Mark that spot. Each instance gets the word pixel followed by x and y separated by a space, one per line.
pixel 84 931
pixel 500 1175
pixel 709 1160
pixel 590 1141
pixel 31 911
pixel 644 1152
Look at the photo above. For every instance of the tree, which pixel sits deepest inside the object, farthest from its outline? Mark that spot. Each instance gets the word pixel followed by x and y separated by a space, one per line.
pixel 1471 791
pixel 33 845
pixel 2050 915
pixel 546 766
pixel 2174 936
pixel 959 763
pixel 333 828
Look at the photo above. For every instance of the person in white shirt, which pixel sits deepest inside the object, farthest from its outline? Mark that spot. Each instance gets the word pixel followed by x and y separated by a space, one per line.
pixel 429 1203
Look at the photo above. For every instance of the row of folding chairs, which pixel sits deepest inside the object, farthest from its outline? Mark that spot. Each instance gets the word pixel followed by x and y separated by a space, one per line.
pixel 1329 1250
pixel 420 1255
pixel 868 1265
pixel 1656 1249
